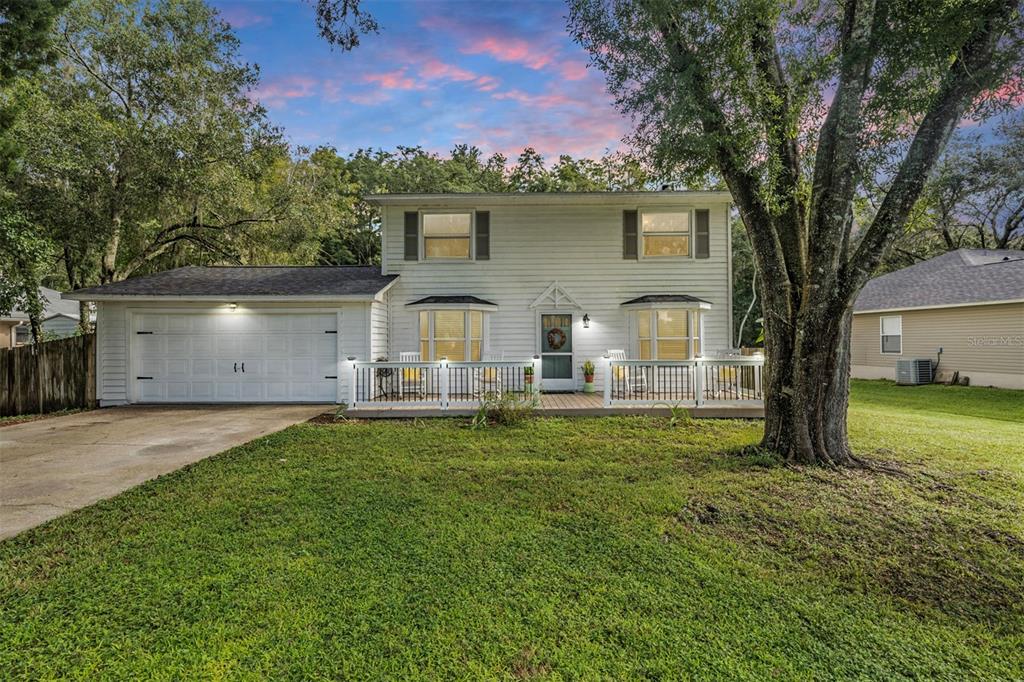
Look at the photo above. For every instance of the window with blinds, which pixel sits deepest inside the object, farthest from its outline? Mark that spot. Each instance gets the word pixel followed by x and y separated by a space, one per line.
pixel 668 334
pixel 457 335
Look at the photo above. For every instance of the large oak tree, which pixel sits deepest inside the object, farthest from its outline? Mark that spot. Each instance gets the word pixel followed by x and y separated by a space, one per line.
pixel 797 105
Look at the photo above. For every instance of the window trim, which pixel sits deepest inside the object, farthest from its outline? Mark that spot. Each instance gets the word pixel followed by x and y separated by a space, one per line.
pixel 468 326
pixel 472 236
pixel 694 330
pixel 882 335
pixel 641 212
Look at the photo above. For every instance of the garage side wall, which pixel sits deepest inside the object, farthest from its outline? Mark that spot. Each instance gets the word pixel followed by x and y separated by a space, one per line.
pixel 113 337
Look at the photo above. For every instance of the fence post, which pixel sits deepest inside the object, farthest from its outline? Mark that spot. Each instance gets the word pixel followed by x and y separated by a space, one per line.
pixel 352 391
pixel 608 382
pixel 698 382
pixel 538 375
pixel 443 380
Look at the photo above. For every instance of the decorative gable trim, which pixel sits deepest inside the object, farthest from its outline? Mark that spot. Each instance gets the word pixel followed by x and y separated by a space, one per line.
pixel 555 296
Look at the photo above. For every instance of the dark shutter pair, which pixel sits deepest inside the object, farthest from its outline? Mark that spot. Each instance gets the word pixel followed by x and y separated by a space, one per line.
pixel 631 235
pixel 482 227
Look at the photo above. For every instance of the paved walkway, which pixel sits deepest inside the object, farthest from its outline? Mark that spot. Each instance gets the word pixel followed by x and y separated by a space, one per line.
pixel 52 466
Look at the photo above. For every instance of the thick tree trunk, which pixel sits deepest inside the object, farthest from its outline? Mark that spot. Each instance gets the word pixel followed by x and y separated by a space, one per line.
pixel 807 378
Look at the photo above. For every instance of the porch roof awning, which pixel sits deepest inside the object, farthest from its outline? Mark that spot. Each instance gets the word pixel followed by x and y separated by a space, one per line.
pixel 472 302
pixel 652 300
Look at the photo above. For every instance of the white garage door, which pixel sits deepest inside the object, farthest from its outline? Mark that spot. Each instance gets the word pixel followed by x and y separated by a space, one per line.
pixel 234 357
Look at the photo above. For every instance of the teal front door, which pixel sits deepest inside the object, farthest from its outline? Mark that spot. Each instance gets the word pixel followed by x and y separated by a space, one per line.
pixel 557 371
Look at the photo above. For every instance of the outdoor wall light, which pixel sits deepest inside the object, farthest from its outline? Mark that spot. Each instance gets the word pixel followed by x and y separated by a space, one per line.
pixel 586 321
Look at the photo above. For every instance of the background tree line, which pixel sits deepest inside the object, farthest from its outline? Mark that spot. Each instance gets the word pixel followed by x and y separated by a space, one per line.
pixel 129 143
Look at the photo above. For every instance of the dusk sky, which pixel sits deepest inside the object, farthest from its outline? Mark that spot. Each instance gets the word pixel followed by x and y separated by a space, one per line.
pixel 501 76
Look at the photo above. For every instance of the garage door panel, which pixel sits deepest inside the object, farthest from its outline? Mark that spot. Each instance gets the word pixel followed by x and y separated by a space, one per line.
pixel 202 391
pixel 193 357
pixel 278 345
pixel 177 368
pixel 251 391
pixel 250 345
pixel 204 367
pixel 152 367
pixel 202 346
pixel 326 345
pixel 178 391
pixel 180 344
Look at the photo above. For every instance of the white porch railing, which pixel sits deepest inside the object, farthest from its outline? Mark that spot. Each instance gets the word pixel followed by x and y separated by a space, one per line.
pixel 442 384
pixel 704 381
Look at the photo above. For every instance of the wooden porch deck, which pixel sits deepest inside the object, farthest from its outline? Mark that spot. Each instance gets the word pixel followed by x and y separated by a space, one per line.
pixel 570 405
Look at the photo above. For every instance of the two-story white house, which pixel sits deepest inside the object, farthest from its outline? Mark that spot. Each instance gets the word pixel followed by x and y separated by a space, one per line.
pixel 554 279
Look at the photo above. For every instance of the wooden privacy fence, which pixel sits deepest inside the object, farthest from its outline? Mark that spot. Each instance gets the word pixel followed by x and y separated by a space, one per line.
pixel 50 376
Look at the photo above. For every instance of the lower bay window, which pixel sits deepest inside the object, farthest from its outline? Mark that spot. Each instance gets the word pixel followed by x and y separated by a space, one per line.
pixel 668 334
pixel 457 335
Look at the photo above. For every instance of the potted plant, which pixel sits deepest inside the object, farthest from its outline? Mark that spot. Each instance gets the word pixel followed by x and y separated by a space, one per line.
pixel 528 378
pixel 588 376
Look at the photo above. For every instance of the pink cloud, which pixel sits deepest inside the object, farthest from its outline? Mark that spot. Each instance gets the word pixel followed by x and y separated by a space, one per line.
pixel 436 69
pixel 392 80
pixel 277 91
pixel 509 49
pixel 486 83
pixel 573 70
pixel 369 98
pixel 1011 92
pixel 549 100
pixel 242 16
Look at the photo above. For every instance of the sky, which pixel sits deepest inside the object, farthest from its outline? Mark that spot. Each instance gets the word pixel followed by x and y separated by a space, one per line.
pixel 501 76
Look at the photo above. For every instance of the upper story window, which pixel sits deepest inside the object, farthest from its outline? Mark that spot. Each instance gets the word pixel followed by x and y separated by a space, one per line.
pixel 668 334
pixel 665 234
pixel 891 328
pixel 447 236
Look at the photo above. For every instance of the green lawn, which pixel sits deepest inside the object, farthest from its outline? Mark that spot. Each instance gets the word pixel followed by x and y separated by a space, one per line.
pixel 559 549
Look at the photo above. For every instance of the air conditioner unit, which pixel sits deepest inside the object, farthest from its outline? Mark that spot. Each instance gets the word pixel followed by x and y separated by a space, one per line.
pixel 914 372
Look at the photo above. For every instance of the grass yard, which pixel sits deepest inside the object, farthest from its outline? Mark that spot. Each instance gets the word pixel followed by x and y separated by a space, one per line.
pixel 559 549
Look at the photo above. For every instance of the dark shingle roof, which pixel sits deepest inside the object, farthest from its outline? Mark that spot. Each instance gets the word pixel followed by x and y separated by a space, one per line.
pixel 54 305
pixel 451 299
pixel 266 280
pixel 666 298
pixel 954 278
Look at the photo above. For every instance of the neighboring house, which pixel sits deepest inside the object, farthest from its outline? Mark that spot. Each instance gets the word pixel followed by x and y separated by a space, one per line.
pixel 60 319
pixel 968 303
pixel 567 277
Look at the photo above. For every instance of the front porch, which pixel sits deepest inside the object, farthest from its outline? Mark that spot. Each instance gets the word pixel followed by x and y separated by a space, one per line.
pixel 706 387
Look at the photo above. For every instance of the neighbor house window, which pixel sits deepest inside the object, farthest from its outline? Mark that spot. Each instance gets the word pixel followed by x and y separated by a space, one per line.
pixel 665 234
pixel 446 236
pixel 668 334
pixel 454 334
pixel 891 327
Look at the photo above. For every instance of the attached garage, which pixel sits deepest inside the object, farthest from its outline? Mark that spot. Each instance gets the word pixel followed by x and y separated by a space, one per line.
pixel 237 334
pixel 235 357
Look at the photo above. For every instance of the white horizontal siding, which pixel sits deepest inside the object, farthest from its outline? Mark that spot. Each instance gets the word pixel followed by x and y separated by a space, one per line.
pixel 581 248
pixel 111 353
pixel 379 311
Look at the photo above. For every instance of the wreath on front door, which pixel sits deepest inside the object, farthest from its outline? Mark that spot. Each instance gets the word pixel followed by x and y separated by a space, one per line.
pixel 556 338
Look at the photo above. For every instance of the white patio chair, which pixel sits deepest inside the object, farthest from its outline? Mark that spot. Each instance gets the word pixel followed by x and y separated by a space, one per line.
pixel 488 380
pixel 412 379
pixel 634 378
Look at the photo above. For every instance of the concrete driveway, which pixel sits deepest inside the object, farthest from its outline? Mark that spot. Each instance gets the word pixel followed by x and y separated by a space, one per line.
pixel 52 466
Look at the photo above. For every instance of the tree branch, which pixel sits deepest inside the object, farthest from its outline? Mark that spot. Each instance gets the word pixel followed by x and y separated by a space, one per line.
pixel 966 78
